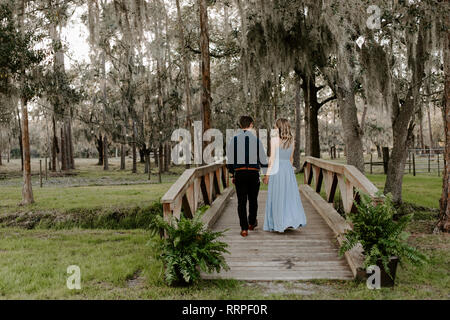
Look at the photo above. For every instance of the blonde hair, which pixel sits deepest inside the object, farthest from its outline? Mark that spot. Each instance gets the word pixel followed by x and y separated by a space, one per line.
pixel 284 133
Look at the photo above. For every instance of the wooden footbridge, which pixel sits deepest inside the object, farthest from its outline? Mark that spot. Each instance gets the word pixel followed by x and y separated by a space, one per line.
pixel 310 252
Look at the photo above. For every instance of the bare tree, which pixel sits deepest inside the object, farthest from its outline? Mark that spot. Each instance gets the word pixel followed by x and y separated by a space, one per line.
pixel 27 190
pixel 444 216
pixel 206 67
pixel 298 122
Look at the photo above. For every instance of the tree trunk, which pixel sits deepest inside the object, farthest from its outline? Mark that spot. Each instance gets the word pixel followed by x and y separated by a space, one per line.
pixel 55 147
pixel 444 215
pixel 244 60
pixel 363 118
pixel 160 162
pixel 298 122
pixel 402 129
pixel 351 129
pixel 133 146
pixel 378 151
pixel 67 162
pixel 149 155
pixel 403 123
pixel 70 145
pixel 312 106
pixel 206 73
pixel 147 162
pixel 142 155
pixel 67 139
pixel 100 150
pixel 186 74
pixel 122 156
pixel 422 144
pixel 166 157
pixel 314 131
pixel 20 138
pixel 9 148
pixel 63 150
pixel 307 116
pixel 105 153
pixel 430 129
pixel 1 146
pixel 275 89
pixel 155 154
pixel 67 144
pixel 27 191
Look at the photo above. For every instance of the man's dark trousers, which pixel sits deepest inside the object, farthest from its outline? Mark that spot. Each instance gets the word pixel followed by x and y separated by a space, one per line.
pixel 247 188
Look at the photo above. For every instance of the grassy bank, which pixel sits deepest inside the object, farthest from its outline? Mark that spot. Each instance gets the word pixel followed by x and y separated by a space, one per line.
pixel 81 198
pixel 422 190
pixel 120 265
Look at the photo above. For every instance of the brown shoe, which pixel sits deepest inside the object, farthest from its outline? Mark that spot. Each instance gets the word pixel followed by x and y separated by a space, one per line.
pixel 244 233
pixel 253 226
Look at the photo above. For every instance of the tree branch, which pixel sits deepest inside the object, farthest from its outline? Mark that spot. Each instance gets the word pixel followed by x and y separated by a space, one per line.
pixel 320 88
pixel 333 97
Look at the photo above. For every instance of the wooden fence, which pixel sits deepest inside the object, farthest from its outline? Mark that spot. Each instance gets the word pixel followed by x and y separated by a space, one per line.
pixel 419 161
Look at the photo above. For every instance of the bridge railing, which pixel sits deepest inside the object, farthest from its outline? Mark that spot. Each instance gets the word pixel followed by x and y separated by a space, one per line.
pixel 348 179
pixel 198 185
pixel 335 175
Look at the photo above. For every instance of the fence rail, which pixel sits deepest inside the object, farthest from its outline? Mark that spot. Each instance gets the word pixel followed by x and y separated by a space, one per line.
pixel 418 161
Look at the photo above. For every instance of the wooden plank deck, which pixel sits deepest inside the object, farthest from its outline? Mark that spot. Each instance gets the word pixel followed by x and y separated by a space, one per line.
pixel 308 253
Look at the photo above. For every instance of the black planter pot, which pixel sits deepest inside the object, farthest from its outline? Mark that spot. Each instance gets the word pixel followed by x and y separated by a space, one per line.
pixel 385 279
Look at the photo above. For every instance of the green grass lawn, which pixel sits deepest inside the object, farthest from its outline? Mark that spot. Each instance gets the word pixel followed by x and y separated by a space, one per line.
pixel 422 190
pixel 91 187
pixel 72 198
pixel 119 264
pixel 113 265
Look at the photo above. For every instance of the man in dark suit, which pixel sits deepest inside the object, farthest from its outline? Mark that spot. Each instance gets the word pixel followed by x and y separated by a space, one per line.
pixel 245 158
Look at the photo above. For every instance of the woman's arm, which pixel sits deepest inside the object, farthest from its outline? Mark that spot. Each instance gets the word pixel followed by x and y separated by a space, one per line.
pixel 273 147
pixel 292 154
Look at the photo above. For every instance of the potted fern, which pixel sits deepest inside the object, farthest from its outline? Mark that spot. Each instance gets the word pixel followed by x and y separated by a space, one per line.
pixel 188 249
pixel 383 239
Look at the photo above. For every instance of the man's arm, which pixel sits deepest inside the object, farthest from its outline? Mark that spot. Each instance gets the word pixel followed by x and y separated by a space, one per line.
pixel 262 158
pixel 230 156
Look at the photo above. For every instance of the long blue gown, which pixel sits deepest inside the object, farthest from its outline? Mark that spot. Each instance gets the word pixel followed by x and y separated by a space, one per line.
pixel 284 207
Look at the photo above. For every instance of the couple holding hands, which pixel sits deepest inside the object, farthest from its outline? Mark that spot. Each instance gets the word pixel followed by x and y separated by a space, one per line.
pixel 245 158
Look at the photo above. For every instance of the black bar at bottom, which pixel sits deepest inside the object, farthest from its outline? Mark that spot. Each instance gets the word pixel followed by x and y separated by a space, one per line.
pixel 222 309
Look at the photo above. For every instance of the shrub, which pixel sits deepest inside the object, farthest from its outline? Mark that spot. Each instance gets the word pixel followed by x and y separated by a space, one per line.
pixel 188 248
pixel 380 236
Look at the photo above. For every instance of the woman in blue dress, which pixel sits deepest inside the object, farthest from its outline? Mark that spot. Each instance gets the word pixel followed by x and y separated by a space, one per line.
pixel 284 207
